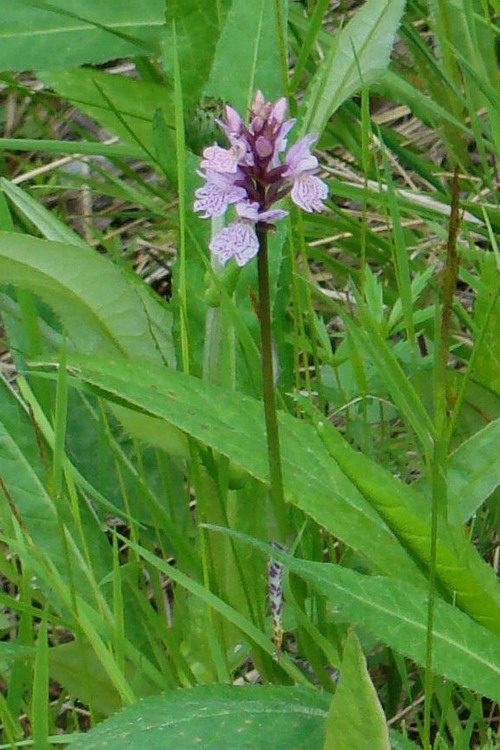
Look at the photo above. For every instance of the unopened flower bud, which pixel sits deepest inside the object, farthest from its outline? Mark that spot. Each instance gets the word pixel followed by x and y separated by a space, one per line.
pixel 264 147
pixel 233 120
pixel 256 125
pixel 258 104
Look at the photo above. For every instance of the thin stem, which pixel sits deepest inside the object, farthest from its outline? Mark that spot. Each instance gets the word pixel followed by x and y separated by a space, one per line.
pixel 268 388
pixel 441 438
pixel 282 45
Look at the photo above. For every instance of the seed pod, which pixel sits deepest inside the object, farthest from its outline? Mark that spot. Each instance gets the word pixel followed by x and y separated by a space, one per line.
pixel 201 127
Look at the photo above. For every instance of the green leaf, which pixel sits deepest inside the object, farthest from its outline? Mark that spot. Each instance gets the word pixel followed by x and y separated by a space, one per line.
pixel 357 57
pixel 233 424
pixel 94 148
pixel 469 580
pixel 473 470
pixel 102 308
pixel 125 106
pixel 63 33
pixel 395 86
pixel 218 717
pixel 10 651
pixel 42 218
pixel 198 25
pixel 355 718
pixel 40 695
pixel 247 55
pixel 463 651
pixel 75 666
pixel 487 318
pixel 398 742
pixel 23 477
pixel 324 488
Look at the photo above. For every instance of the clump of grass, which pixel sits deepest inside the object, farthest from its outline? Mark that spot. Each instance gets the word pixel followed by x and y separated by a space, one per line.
pixel 120 453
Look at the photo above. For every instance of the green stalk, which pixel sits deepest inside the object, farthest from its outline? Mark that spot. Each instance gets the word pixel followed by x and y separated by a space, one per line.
pixel 268 389
pixel 441 436
pixel 218 354
pixel 282 43
pixel 180 149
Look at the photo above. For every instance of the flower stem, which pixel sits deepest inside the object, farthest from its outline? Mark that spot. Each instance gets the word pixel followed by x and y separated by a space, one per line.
pixel 441 439
pixel 268 388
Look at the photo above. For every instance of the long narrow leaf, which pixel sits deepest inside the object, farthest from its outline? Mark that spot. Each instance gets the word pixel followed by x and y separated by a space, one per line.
pixel 357 58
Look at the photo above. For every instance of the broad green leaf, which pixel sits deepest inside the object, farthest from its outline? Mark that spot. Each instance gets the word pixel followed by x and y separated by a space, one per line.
pixel 470 581
pixel 216 717
pixel 221 717
pixel 324 488
pixel 463 651
pixel 75 666
pixel 103 95
pixel 398 742
pixel 357 57
pixel 248 54
pixel 64 33
pixel 233 425
pixel 473 470
pixel 197 25
pixel 355 718
pixel 101 307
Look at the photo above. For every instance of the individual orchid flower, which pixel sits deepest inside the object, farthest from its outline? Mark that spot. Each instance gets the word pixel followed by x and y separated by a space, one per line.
pixel 308 191
pixel 252 175
pixel 218 192
pixel 239 239
pixel 219 159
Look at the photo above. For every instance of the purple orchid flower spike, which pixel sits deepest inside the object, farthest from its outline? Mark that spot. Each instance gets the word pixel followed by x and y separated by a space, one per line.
pixel 251 175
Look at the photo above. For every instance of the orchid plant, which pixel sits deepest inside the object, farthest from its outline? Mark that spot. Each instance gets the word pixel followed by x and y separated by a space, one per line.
pixel 253 176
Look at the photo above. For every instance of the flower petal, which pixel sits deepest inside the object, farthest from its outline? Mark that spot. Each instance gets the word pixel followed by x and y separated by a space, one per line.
pixel 218 192
pixel 223 159
pixel 275 214
pixel 299 158
pixel 281 138
pixel 248 211
pixel 233 120
pixel 279 110
pixel 238 240
pixel 308 192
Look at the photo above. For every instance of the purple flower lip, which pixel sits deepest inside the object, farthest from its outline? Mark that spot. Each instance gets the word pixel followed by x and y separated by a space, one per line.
pixel 251 176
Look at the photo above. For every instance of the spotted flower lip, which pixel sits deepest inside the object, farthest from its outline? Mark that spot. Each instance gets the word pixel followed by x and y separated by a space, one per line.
pixel 252 175
pixel 218 192
pixel 239 239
